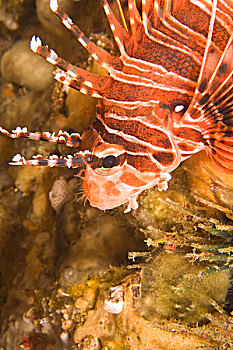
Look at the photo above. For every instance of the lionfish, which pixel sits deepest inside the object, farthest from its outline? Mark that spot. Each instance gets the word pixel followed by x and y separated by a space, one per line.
pixel 168 96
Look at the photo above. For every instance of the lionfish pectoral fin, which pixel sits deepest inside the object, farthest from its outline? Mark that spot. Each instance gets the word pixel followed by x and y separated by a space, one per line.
pixel 211 108
pixel 212 114
pixel 221 159
pixel 215 106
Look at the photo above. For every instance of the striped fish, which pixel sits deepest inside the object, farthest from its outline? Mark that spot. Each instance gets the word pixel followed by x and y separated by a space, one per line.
pixel 168 96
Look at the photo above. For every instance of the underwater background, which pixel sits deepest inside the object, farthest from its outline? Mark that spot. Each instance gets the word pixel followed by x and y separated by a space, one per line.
pixel 66 268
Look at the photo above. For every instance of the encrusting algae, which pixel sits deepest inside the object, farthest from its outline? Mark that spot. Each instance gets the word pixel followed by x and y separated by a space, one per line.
pixel 60 260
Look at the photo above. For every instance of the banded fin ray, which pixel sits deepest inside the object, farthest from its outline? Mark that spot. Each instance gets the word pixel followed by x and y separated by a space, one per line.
pixel 211 109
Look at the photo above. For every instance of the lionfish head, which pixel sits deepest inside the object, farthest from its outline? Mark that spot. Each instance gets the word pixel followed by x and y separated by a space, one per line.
pixel 110 181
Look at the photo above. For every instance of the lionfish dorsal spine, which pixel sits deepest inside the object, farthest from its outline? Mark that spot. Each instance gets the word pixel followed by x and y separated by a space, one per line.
pixel 104 58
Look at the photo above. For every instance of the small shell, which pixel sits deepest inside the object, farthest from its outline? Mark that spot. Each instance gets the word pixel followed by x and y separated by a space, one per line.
pixel 114 307
pixel 59 194
pixel 115 303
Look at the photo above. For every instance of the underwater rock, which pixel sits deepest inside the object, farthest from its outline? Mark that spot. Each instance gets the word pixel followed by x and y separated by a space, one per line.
pixel 15 15
pixel 21 66
pixel 8 20
pixel 28 179
pixel 103 238
pixel 35 181
pixel 42 238
pixel 5 180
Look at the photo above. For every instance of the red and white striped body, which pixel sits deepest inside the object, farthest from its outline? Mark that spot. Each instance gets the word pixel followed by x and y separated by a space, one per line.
pixel 168 96
pixel 152 152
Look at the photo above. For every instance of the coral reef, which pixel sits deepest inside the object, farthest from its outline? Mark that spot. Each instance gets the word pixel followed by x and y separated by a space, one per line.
pixel 131 331
pixel 62 261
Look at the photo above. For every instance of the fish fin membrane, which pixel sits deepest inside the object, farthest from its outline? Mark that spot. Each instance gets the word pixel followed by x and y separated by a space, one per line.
pixel 219 147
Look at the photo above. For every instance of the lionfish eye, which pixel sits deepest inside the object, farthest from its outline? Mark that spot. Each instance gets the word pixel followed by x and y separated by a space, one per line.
pixel 109 162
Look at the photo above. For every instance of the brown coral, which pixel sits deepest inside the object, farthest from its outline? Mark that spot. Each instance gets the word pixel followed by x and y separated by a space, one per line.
pixel 133 330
